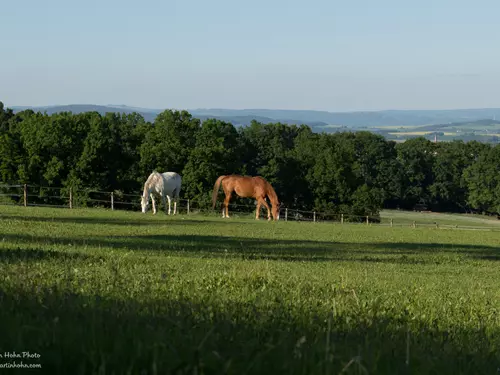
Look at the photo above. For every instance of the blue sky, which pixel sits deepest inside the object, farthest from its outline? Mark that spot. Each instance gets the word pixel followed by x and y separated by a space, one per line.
pixel 321 54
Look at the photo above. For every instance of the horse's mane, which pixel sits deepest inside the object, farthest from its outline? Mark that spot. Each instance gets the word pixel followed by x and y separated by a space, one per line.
pixel 153 178
pixel 271 193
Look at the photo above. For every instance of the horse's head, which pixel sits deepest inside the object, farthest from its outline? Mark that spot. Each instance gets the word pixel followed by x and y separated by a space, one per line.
pixel 276 211
pixel 144 204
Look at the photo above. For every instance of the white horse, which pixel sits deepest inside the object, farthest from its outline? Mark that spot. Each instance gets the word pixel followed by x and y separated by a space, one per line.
pixel 165 184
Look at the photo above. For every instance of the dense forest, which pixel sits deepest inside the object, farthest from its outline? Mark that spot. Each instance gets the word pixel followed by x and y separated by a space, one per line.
pixel 356 173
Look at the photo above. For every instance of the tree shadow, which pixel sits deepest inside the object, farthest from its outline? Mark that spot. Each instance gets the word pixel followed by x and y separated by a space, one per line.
pixel 77 334
pixel 20 255
pixel 269 249
pixel 146 221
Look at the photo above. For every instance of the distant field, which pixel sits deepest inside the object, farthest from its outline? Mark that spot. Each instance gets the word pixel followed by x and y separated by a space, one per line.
pixel 420 133
pixel 330 126
pixel 477 126
pixel 409 133
pixel 395 127
pixel 98 291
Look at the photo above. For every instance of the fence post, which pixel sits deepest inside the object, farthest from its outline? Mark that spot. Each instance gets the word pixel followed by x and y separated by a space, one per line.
pixel 112 201
pixel 391 222
pixel 25 195
pixel 188 207
pixel 314 216
pixel 341 218
pixel 286 214
pixel 70 197
pixel 367 221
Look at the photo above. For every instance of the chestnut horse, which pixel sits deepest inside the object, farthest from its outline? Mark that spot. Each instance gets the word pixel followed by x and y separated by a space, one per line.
pixel 247 187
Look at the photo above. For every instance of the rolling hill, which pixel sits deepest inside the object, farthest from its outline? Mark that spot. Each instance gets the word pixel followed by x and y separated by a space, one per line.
pixel 317 120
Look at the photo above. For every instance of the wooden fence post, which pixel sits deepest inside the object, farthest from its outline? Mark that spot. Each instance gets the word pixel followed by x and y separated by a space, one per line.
pixel 391 222
pixel 188 207
pixel 112 201
pixel 286 214
pixel 25 195
pixel 341 218
pixel 70 198
pixel 314 216
pixel 367 221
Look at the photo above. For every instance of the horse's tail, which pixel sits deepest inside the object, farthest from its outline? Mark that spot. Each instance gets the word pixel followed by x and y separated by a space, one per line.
pixel 216 190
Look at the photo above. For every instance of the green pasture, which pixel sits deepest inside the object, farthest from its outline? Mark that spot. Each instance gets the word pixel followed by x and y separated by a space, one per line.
pixel 111 292
pixel 442 219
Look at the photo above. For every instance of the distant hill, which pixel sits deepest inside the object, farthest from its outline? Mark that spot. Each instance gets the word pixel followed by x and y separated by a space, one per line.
pixel 79 108
pixel 469 125
pixel 150 114
pixel 246 120
pixel 317 120
pixel 363 119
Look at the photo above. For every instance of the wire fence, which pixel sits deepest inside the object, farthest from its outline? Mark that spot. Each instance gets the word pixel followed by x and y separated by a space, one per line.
pixel 70 198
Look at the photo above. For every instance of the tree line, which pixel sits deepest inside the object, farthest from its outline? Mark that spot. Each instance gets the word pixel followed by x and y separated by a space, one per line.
pixel 356 173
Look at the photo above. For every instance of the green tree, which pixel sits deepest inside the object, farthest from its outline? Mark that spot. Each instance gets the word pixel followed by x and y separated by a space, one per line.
pixel 449 189
pixel 334 179
pixel 483 181
pixel 416 157
pixel 12 154
pixel 269 153
pixel 216 152
pixel 168 143
pixel 5 116
pixel 52 146
pixel 375 164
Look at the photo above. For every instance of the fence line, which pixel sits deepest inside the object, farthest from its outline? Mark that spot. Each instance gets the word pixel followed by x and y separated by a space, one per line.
pixel 71 198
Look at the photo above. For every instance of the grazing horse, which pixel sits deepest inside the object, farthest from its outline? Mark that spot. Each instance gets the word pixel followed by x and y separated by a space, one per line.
pixel 165 184
pixel 247 187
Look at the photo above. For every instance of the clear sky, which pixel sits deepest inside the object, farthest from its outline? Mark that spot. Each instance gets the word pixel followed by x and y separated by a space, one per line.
pixel 287 54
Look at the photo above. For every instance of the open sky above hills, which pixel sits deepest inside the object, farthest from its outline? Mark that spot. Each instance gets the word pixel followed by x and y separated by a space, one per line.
pixel 327 55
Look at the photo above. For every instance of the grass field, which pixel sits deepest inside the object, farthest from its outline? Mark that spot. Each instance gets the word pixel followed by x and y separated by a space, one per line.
pixel 110 292
pixel 443 219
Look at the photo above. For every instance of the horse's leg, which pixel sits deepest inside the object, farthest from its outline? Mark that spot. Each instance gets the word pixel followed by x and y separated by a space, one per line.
pixel 263 200
pixel 168 197
pixel 154 204
pixel 226 205
pixel 257 213
pixel 175 198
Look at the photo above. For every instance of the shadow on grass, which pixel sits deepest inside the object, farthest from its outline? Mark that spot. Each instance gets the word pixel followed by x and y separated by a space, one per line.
pixel 18 255
pixel 142 221
pixel 268 249
pixel 77 334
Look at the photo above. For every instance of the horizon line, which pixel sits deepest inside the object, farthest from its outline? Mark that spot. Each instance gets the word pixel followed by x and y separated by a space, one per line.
pixel 248 109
